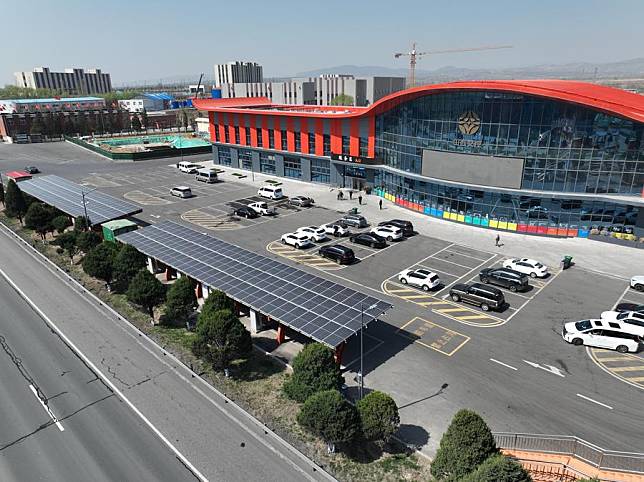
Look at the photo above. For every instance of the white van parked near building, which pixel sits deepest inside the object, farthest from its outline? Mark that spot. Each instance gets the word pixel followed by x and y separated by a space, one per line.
pixel 189 167
pixel 207 176
pixel 270 192
pixel 585 332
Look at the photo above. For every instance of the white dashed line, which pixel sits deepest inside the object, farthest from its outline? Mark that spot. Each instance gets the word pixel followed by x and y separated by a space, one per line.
pixel 594 401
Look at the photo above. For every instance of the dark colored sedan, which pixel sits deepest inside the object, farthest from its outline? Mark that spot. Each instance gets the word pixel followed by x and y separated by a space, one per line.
pixel 338 253
pixel 32 170
pixel 246 212
pixel 301 201
pixel 369 239
pixel 406 226
pixel 630 307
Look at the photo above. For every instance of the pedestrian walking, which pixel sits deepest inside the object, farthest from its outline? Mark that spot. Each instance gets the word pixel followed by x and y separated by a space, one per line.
pixel 380 204
pixel 360 199
pixel 350 194
pixel 497 241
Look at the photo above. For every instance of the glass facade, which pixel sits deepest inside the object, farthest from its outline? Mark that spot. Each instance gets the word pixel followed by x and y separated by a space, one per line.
pixel 245 159
pixel 321 171
pixel 292 167
pixel 266 163
pixel 224 156
pixel 566 147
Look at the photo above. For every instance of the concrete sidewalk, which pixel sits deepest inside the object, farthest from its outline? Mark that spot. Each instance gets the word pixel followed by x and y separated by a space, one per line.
pixel 618 261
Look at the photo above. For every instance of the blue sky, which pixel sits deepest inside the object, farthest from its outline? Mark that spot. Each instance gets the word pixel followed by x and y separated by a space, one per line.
pixel 144 39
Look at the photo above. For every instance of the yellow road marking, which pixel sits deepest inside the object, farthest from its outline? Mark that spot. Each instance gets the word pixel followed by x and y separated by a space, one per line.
pixel 635 379
pixel 427 303
pixel 628 369
pixel 410 297
pixel 451 310
pixel 610 359
pixel 401 290
pixel 473 317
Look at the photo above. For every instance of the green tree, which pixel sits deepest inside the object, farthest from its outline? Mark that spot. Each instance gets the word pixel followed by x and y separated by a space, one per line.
pixel 50 125
pixel 379 417
pixel 1 193
pixel 218 300
pixel 81 223
pixel 185 120
pixel 15 205
pixel 328 415
pixel 314 370
pixel 221 338
pixel 69 127
pixel 37 125
pixel 99 262
pixel 467 442
pixel 60 223
pixel 498 468
pixel 146 290
pixel 39 218
pixel 81 123
pixel 180 302
pixel 88 240
pixel 136 123
pixel 67 242
pixel 127 263
pixel 342 99
pixel 144 119
pixel 179 119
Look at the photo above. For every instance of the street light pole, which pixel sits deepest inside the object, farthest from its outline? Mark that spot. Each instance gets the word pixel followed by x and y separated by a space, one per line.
pixel 362 346
pixel 83 193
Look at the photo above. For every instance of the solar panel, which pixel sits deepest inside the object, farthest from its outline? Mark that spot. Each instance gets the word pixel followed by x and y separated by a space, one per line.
pixel 321 309
pixel 68 197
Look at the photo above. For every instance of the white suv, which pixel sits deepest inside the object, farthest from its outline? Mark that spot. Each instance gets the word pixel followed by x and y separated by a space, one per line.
pixel 297 240
pixel 584 333
pixel 527 266
pixel 637 282
pixel 390 233
pixel 335 229
pixel 313 232
pixel 627 321
pixel 423 278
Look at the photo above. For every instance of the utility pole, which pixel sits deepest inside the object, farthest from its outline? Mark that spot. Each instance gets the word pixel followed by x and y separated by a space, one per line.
pixel 83 193
pixel 362 346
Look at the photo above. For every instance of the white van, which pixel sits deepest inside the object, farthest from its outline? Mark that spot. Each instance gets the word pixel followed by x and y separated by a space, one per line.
pixel 585 332
pixel 207 176
pixel 189 167
pixel 270 192
pixel 181 191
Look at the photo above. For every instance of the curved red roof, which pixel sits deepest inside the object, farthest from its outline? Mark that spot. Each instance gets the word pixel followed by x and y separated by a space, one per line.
pixel 607 99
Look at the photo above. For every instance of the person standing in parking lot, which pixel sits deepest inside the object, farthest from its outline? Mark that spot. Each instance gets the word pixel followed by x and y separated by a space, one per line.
pixel 380 204
pixel 497 241
pixel 360 199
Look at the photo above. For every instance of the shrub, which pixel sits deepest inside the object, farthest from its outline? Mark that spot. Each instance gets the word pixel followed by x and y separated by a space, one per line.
pixel 467 442
pixel 314 370
pixel 38 218
pixel 15 205
pixel 218 300
pixel 379 417
pixel 87 240
pixel 145 290
pixel 180 302
pixel 99 262
pixel 328 415
pixel 221 338
pixel 81 223
pixel 60 223
pixel 498 468
pixel 127 263
pixel 67 242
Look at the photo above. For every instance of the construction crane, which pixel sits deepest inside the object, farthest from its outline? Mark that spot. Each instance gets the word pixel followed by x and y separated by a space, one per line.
pixel 414 56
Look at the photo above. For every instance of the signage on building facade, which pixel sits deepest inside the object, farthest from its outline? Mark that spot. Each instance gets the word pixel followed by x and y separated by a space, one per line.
pixel 469 124
pixel 353 159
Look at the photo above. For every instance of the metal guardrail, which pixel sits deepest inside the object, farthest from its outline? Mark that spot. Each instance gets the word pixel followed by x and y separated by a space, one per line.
pixel 598 457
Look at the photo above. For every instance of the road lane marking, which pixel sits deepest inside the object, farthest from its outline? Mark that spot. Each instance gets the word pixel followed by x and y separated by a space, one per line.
pixel 631 363
pixel 621 298
pixel 47 409
pixel 437 337
pixel 628 369
pixel 594 401
pixel 504 364
pixel 547 368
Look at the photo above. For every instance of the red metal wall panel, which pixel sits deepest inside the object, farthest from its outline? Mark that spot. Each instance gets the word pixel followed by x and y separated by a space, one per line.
pixel 231 128
pixel 222 128
pixel 304 135
pixel 277 132
pixel 253 131
pixel 354 139
pixel 242 129
pixel 336 136
pixel 211 126
pixel 265 132
pixel 290 134
pixel 371 150
pixel 319 137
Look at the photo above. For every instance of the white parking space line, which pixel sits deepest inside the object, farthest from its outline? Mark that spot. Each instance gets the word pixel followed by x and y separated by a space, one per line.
pixel 594 401
pixel 621 298
pixel 452 262
pixel 451 275
pixel 465 255
pixel 47 409
pixel 468 273
pixel 504 364
pixel 550 280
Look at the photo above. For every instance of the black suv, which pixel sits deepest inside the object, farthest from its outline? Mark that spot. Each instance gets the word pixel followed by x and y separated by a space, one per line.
pixel 338 253
pixel 487 297
pixel 246 212
pixel 508 278
pixel 406 226
pixel 369 239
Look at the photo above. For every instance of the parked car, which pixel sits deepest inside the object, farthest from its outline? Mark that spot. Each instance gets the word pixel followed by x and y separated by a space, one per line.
pixel 207 176
pixel 246 212
pixel 189 167
pixel 630 307
pixel 390 233
pixel 422 278
pixel 486 297
pixel 335 229
pixel 313 232
pixel 354 220
pixel 301 201
pixel 369 239
pixel 270 192
pixel 32 170
pixel 584 333
pixel 297 240
pixel 505 277
pixel 338 253
pixel 181 191
pixel 637 283
pixel 628 321
pixel 528 266
pixel 406 226
pixel 260 207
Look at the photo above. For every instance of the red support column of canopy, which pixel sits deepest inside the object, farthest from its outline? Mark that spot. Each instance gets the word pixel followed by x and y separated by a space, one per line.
pixel 281 334
pixel 337 353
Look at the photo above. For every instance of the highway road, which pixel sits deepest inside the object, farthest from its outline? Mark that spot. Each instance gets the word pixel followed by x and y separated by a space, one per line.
pixel 103 438
pixel 83 432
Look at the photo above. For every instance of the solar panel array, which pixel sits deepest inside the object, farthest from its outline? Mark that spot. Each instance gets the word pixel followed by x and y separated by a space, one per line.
pixel 323 310
pixel 68 197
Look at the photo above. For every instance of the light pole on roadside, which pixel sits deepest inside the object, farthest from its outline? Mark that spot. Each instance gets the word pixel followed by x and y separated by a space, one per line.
pixel 362 346
pixel 83 194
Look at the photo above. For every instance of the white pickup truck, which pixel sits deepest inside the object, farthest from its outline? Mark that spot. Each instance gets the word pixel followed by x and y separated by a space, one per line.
pixel 262 208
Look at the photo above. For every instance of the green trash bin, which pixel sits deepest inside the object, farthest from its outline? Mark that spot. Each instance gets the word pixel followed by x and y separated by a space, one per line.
pixel 566 262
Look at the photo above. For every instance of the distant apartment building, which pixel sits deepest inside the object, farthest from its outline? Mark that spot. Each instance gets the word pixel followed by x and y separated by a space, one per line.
pixel 318 90
pixel 238 72
pixel 72 81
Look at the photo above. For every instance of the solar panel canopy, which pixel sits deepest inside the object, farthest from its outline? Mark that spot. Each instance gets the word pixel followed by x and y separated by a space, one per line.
pixel 68 197
pixel 320 309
